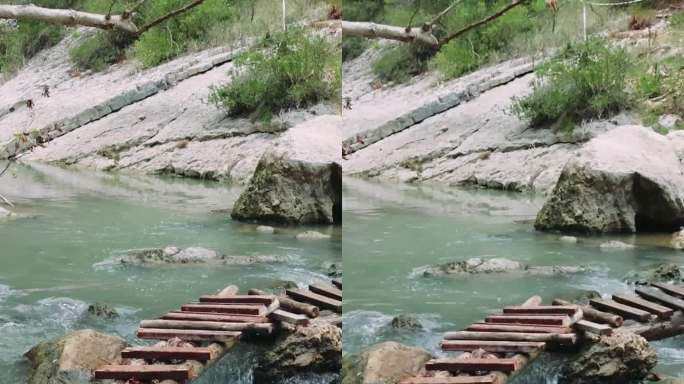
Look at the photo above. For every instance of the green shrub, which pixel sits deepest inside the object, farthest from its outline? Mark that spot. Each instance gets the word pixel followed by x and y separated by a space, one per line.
pixel 649 85
pixel 401 62
pixel 677 21
pixel 99 51
pixel 22 43
pixel 353 47
pixel 177 34
pixel 285 70
pixel 585 81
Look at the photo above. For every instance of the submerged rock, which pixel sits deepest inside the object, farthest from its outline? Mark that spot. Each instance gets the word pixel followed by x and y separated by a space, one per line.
pixel 265 229
pixel 72 358
pixel 103 311
pixel 477 265
pixel 312 235
pixel 568 239
pixel 384 363
pixel 5 213
pixel 616 359
pixel 333 269
pixel 616 245
pixel 668 272
pixel 191 255
pixel 627 180
pixel 678 239
pixel 282 285
pixel 289 191
pixel 404 321
pixel 316 348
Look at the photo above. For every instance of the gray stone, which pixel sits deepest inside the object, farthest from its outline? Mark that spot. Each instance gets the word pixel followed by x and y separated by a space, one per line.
pixel 291 192
pixel 668 272
pixel 627 180
pixel 102 310
pixel 615 245
pixel 678 239
pixel 265 229
pixel 498 265
pixel 4 213
pixel 316 348
pixel 72 358
pixel 616 359
pixel 404 321
pixel 568 239
pixel 192 255
pixel 669 121
pixel 312 235
pixel 384 363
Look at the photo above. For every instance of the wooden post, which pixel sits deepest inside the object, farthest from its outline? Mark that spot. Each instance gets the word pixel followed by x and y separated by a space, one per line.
pixel 293 306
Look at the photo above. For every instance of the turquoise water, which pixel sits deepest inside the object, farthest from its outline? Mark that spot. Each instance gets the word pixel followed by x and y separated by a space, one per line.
pixel 55 257
pixel 391 230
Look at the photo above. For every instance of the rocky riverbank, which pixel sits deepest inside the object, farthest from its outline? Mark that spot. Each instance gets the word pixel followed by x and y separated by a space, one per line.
pixel 153 120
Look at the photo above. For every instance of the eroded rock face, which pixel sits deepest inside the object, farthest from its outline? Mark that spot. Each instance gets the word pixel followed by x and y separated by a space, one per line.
pixel 627 180
pixel 477 265
pixel 384 363
pixel 616 359
pixel 287 191
pixel 316 348
pixel 73 358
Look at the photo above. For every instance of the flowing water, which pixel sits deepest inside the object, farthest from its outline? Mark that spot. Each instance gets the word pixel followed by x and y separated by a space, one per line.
pixel 390 231
pixel 57 256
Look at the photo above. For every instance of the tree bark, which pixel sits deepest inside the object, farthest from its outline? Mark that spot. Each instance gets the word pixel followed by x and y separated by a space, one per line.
pixel 381 31
pixel 67 17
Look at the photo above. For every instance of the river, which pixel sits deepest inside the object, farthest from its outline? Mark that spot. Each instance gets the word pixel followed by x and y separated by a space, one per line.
pixel 57 257
pixel 391 230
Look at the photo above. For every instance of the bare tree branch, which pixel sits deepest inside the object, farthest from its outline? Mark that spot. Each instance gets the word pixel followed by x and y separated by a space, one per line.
pixel 66 17
pixel 486 20
pixel 444 12
pixel 170 15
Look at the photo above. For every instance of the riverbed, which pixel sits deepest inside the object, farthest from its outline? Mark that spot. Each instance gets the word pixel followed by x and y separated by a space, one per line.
pixel 392 230
pixel 59 253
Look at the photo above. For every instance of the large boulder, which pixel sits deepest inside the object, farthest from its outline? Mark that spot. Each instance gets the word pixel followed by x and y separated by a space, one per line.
pixel 384 363
pixel 629 179
pixel 616 359
pixel 286 191
pixel 72 358
pixel 315 348
pixel 665 273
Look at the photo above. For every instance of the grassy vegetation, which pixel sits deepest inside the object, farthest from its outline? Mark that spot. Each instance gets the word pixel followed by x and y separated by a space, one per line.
pixel 213 23
pixel 292 69
pixel 585 81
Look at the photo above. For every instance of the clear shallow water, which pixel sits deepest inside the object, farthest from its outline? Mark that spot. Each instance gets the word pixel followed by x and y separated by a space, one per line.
pixel 54 256
pixel 390 230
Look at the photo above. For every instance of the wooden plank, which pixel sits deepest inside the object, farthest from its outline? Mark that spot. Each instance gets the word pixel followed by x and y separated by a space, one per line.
pixel 257 328
pixel 620 309
pixel 337 283
pixel 636 302
pixel 167 353
pixel 563 339
pixel 326 290
pixel 256 310
pixel 494 327
pixel 238 299
pixel 662 298
pixel 595 328
pixel 492 346
pixel 670 289
pixel 543 310
pixel 289 317
pixel 488 379
pixel 205 316
pixel 471 365
pixel 187 335
pixel 559 321
pixel 316 299
pixel 143 372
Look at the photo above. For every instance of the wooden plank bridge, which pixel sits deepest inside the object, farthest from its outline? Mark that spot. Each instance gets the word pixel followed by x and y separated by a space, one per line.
pixel 202 332
pixel 502 345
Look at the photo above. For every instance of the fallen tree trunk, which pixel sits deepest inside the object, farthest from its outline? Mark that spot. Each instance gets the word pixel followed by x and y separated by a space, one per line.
pixel 290 305
pixel 595 315
pixel 67 17
pixel 369 30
